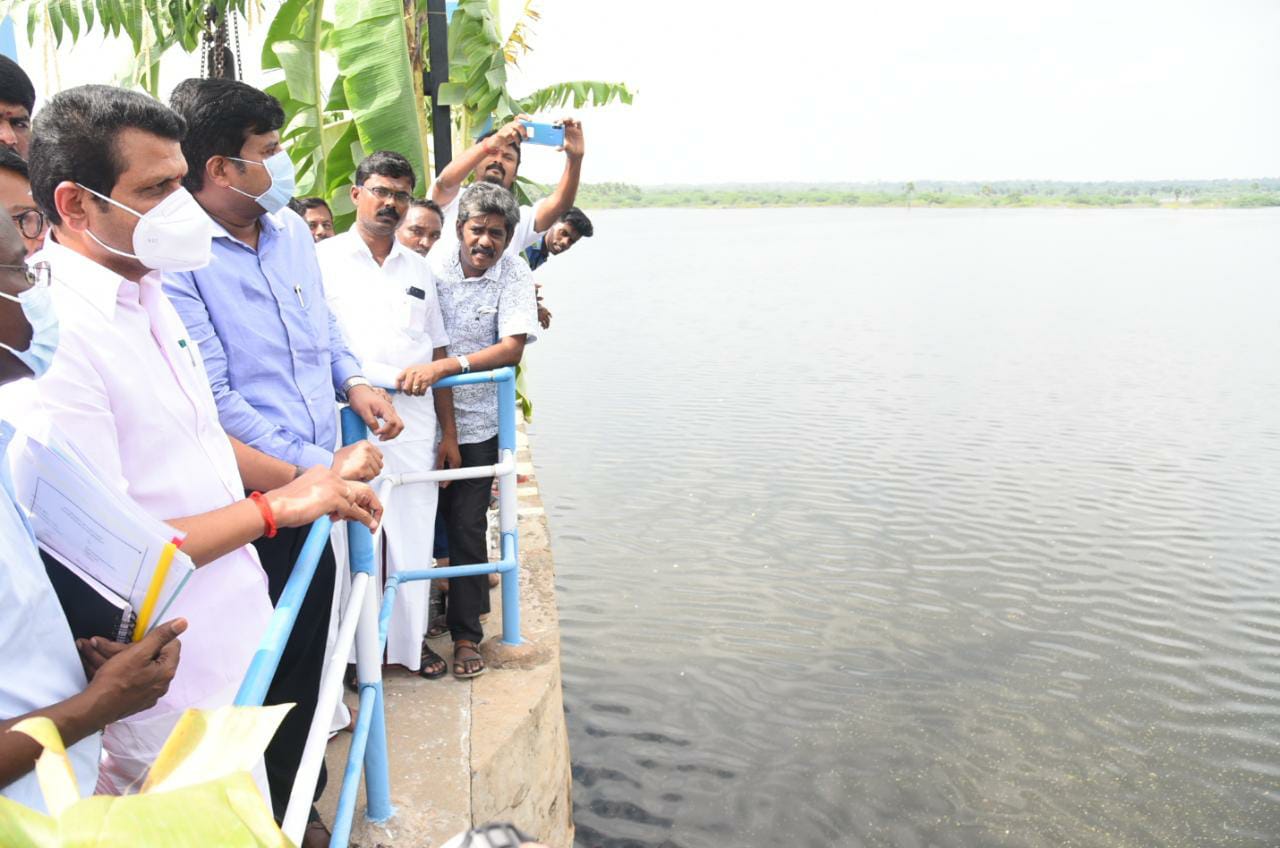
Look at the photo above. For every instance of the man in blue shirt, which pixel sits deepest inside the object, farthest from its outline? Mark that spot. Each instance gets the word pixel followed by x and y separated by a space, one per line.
pixel 274 354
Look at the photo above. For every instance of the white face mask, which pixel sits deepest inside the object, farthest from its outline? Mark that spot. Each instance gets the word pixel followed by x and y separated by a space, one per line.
pixel 174 235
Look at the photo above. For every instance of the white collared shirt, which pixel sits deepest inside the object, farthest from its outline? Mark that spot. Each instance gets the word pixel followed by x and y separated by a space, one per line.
pixel 478 312
pixel 129 390
pixel 387 328
pixel 39 665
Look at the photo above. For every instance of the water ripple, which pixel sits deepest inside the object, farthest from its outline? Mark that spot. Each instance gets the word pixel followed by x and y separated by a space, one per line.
pixel 963 547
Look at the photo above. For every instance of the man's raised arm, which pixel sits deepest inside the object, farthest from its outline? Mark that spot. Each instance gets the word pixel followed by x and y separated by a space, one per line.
pixel 446 186
pixel 548 210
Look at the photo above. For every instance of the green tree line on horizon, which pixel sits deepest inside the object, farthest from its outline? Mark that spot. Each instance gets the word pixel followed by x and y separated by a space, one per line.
pixel 943 194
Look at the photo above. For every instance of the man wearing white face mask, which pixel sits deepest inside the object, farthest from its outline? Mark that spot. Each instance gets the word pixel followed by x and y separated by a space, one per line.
pixel 129 391
pixel 275 354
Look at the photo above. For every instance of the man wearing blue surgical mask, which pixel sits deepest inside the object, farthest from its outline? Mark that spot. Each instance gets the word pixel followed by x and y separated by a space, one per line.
pixel 275 356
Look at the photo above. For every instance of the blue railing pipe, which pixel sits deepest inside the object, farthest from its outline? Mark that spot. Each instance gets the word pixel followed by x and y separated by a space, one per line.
pixel 262 668
pixel 369 744
pixel 507 512
pixel 370 701
pixel 368 653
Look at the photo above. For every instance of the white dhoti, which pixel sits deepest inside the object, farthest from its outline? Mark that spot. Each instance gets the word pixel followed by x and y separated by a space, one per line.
pixel 409 528
pixel 390 318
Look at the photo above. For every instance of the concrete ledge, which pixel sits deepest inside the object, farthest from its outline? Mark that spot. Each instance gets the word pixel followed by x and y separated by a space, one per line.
pixel 491 749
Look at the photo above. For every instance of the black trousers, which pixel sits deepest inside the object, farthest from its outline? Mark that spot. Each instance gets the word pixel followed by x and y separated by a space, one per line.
pixel 463 505
pixel 297 679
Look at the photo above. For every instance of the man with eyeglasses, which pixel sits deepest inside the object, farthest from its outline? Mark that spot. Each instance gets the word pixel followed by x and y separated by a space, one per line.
pixel 275 356
pixel 15 195
pixel 385 299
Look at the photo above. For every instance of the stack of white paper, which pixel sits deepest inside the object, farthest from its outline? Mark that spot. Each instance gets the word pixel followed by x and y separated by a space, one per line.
pixel 100 530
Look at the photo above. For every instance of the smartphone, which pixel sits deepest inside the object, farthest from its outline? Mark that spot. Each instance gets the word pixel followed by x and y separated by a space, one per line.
pixel 548 134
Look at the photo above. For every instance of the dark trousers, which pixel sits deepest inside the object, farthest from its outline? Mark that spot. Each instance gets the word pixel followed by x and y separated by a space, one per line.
pixel 297 679
pixel 464 504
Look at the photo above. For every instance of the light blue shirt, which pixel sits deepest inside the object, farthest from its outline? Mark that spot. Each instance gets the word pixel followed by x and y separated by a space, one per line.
pixel 39 665
pixel 272 348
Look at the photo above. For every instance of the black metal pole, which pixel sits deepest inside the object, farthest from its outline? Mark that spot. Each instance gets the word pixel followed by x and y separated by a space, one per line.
pixel 437 75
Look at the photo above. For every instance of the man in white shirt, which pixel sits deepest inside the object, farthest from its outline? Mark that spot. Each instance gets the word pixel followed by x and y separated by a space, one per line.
pixel 384 298
pixel 129 390
pixel 486 297
pixel 40 671
pixel 495 158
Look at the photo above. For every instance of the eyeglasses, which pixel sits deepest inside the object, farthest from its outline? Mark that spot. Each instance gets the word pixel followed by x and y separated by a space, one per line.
pixel 38 275
pixel 401 197
pixel 30 223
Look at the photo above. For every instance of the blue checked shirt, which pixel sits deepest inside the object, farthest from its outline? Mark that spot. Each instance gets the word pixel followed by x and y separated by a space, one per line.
pixel 273 350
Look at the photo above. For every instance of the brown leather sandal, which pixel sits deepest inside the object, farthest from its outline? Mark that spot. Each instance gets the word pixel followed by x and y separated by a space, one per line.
pixel 469 664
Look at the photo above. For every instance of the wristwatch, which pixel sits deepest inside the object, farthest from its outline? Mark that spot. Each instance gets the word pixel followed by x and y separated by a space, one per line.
pixel 351 382
pixel 464 362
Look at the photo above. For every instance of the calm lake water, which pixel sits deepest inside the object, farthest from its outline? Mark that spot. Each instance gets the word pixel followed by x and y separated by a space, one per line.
pixel 927 528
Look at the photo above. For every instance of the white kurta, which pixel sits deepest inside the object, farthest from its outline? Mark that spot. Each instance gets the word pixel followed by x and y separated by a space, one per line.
pixel 129 390
pixel 389 329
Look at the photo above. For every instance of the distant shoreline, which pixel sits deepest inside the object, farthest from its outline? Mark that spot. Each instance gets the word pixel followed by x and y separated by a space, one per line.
pixel 1195 194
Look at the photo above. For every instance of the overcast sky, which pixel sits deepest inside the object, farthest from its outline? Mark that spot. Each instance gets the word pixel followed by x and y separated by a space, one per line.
pixel 851 90
pixel 917 89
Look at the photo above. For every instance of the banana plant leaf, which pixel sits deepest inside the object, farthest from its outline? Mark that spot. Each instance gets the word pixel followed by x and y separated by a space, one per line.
pixel 372 50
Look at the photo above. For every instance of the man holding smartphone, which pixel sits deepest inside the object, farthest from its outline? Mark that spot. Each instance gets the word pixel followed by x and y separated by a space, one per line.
pixel 495 158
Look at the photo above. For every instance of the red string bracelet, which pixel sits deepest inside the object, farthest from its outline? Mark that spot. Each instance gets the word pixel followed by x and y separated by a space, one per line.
pixel 268 517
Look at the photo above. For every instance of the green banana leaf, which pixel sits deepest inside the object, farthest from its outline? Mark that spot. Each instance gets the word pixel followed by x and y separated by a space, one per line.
pixel 372 50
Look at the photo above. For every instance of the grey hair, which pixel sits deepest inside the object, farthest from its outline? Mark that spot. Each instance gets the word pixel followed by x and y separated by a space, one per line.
pixel 489 199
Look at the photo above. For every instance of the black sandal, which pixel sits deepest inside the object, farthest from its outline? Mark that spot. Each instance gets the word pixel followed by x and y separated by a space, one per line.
pixel 431 658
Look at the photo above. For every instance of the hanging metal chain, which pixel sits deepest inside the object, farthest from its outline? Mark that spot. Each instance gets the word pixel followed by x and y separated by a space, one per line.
pixel 214 52
pixel 237 62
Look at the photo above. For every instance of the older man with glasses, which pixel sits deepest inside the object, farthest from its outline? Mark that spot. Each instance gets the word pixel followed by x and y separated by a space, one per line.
pixel 15 195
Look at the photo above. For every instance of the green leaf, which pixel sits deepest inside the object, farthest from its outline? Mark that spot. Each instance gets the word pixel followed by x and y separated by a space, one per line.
pixel 71 15
pixel 33 18
pixel 373 57
pixel 337 97
pixel 288 24
pixel 451 94
pixel 55 20
pixel 296 58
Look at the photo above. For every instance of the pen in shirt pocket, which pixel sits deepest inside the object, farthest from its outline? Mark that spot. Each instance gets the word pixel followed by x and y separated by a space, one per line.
pixel 182 343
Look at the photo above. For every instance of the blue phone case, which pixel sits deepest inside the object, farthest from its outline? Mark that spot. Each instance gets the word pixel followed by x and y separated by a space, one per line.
pixel 543 134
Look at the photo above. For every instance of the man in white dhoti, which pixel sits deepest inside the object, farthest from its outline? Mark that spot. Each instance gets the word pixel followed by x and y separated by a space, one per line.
pixel 384 298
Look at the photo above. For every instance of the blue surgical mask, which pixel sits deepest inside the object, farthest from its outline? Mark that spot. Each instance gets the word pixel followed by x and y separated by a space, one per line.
pixel 280 192
pixel 37 306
